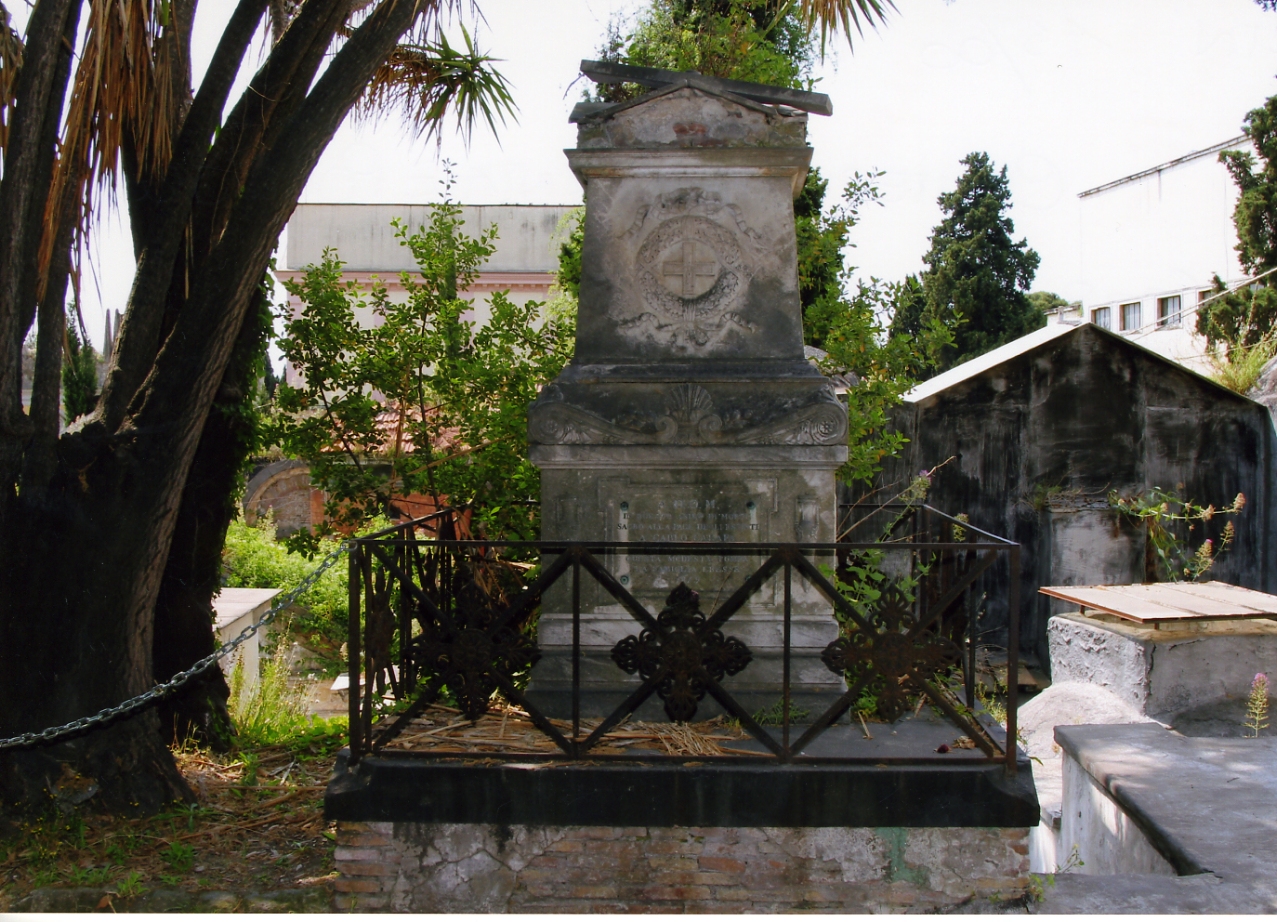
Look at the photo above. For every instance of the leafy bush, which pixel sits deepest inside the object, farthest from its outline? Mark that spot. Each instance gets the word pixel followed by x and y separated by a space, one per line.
pixel 252 558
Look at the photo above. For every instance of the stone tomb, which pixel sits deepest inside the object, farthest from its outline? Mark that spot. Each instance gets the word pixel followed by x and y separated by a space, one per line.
pixel 688 413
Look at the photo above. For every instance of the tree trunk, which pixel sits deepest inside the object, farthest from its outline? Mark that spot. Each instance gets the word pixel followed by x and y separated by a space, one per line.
pixel 82 562
pixel 192 576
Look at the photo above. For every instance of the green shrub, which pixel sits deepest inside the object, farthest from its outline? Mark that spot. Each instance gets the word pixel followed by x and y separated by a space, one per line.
pixel 253 559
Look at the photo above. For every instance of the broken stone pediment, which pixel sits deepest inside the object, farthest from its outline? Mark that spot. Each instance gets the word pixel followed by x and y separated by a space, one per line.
pixel 686 115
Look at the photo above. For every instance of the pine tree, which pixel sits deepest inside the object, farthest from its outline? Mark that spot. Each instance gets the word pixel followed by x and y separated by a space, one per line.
pixel 908 307
pixel 1245 317
pixel 978 277
pixel 79 377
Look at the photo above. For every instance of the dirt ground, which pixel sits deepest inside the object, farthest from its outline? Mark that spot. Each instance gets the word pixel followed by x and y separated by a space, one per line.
pixel 257 828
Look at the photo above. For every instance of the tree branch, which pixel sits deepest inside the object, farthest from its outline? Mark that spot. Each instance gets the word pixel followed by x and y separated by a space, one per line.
pixel 38 91
pixel 138 341
pixel 294 60
pixel 40 460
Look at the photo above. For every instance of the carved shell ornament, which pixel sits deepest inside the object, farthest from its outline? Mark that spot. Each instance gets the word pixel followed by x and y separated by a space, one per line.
pixel 689 419
pixel 691 271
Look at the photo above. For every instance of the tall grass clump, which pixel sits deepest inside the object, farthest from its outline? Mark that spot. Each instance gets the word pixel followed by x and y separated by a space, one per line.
pixel 272 710
pixel 1239 370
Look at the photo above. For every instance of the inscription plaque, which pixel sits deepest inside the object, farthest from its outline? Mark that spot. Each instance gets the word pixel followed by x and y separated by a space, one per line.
pixel 735 512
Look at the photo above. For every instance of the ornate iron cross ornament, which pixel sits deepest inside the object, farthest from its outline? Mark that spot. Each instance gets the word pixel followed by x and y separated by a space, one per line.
pixel 471 650
pixel 684 651
pixel 898 646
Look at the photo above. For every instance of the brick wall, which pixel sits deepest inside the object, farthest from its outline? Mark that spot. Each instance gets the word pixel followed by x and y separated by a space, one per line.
pixel 438 867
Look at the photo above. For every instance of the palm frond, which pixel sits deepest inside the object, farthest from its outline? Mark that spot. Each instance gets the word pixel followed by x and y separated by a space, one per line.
pixel 424 80
pixel 843 15
pixel 123 82
pixel 11 49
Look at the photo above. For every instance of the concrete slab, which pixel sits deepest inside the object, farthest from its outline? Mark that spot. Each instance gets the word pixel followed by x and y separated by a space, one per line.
pixel 232 603
pixel 1207 805
pixel 1147 894
pixel 1064 703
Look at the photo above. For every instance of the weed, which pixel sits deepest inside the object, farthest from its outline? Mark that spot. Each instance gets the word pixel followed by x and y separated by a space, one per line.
pixel 1239 368
pixel 179 857
pixel 1039 883
pixel 1073 863
pixel 273 712
pixel 774 716
pixel 1168 523
pixel 993 700
pixel 1257 706
pixel 45 877
pixel 129 887
pixel 249 777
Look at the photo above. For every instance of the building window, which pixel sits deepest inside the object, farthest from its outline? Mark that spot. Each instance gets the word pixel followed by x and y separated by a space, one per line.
pixel 1130 317
pixel 1101 317
pixel 1168 313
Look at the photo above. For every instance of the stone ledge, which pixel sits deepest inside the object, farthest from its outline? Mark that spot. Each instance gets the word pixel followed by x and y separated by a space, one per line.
pixel 1206 805
pixel 747 794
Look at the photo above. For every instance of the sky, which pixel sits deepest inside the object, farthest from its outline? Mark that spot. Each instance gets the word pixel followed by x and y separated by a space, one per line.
pixel 1066 95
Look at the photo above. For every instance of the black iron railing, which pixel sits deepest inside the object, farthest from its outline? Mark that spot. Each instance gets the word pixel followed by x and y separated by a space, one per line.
pixel 429 614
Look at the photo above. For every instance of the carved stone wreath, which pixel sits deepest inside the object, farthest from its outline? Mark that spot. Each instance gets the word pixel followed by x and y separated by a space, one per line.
pixel 690 272
pixel 889 654
pixel 684 652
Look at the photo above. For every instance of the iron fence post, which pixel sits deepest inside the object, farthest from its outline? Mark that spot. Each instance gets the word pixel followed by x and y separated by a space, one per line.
pixel 1013 657
pixel 785 660
pixel 576 646
pixel 968 682
pixel 370 679
pixel 352 653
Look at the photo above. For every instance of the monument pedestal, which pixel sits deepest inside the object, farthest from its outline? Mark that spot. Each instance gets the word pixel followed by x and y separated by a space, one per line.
pixel 689 413
pixel 626 494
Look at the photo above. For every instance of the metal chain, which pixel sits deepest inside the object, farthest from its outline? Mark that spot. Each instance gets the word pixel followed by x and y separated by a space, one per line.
pixel 147 698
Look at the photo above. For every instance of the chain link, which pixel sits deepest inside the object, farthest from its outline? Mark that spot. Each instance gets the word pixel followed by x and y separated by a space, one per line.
pixel 148 698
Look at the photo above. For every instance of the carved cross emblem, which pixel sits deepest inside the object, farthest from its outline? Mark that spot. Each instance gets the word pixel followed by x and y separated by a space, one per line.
pixel 692 271
pixel 684 652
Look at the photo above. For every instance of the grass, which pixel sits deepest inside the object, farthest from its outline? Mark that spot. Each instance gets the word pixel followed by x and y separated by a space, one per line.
pixel 1239 369
pixel 273 712
pixel 257 823
pixel 258 826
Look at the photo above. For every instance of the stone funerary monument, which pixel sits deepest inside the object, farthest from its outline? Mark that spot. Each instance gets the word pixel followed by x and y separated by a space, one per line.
pixel 689 413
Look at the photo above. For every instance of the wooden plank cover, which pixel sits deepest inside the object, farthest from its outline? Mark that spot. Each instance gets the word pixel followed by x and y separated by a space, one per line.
pixel 1158 602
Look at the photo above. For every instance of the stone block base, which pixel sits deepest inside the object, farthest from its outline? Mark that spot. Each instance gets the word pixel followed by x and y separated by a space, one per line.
pixel 442 867
pixel 1161 672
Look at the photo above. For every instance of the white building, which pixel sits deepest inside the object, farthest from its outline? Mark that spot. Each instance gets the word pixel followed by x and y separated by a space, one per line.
pixel 1151 244
pixel 524 264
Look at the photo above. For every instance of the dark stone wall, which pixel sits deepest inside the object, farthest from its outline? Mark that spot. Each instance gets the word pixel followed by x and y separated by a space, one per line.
pixel 1039 441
